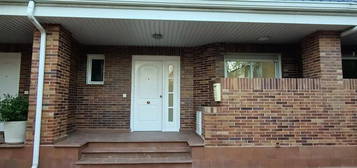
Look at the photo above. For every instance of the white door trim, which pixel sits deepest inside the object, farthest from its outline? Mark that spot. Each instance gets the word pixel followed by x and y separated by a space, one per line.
pixel 165 59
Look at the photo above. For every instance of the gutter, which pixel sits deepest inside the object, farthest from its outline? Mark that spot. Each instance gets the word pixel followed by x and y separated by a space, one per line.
pixel 40 79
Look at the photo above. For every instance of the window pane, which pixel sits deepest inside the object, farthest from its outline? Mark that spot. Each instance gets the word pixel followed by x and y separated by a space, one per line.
pixel 97 70
pixel 237 69
pixel 171 85
pixel 171 71
pixel 349 68
pixel 171 115
pixel 171 99
pixel 263 69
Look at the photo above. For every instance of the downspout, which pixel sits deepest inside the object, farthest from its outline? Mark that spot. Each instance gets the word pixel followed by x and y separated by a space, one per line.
pixel 349 31
pixel 41 70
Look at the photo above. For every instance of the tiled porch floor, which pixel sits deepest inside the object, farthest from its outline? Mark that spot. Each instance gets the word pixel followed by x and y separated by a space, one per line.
pixel 79 138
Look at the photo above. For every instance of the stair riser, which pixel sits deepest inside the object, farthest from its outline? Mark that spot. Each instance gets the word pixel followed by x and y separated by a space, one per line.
pixel 137 150
pixel 136 144
pixel 133 155
pixel 137 166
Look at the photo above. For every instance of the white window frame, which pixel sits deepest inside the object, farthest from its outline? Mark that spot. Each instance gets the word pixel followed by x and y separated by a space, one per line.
pixel 255 57
pixel 90 57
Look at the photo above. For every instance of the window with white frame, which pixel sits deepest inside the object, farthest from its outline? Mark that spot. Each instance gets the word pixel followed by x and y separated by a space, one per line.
pixel 95 69
pixel 252 65
pixel 349 66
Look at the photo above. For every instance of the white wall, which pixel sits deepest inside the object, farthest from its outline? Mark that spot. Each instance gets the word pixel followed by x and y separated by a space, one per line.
pixel 9 74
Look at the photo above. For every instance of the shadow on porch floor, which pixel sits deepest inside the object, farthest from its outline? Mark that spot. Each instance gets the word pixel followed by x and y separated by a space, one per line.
pixel 81 137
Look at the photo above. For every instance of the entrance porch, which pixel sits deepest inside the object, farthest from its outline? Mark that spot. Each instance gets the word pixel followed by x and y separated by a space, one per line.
pixel 278 89
pixel 82 137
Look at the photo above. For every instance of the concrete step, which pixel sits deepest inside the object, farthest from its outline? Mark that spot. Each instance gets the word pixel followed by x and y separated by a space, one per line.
pixel 120 145
pixel 133 155
pixel 136 150
pixel 169 162
pixel 171 165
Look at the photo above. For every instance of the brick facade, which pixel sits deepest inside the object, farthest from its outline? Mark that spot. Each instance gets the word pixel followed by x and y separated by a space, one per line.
pixel 321 55
pixel 98 107
pixel 209 65
pixel 295 112
pixel 269 112
pixel 273 114
pixel 103 107
pixel 56 115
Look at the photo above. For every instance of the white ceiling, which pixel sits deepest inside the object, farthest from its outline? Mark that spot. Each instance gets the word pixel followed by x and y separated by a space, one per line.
pixel 175 33
pixel 15 29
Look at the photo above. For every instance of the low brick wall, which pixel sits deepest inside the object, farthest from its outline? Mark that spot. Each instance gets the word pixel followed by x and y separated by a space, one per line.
pixel 283 112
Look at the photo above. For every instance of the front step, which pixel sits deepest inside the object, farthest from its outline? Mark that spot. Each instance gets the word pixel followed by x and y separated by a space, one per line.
pixel 136 154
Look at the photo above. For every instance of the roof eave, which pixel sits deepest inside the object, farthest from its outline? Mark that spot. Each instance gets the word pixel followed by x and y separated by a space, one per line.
pixel 258 5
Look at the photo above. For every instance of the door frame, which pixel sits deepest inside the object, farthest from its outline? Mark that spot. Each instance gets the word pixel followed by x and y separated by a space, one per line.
pixel 177 83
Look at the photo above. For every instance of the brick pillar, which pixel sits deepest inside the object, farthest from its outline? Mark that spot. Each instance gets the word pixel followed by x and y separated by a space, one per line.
pixel 208 66
pixel 56 116
pixel 321 54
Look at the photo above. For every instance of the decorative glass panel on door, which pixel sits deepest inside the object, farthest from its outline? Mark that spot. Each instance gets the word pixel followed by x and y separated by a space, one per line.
pixel 170 96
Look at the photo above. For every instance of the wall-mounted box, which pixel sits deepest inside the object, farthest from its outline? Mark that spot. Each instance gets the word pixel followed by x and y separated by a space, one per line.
pixel 217 92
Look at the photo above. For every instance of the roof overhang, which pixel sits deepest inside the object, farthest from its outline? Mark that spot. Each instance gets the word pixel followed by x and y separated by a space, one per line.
pixel 253 11
pixel 96 22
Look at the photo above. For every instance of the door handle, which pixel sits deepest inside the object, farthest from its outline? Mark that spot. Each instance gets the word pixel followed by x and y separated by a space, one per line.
pixel 148 102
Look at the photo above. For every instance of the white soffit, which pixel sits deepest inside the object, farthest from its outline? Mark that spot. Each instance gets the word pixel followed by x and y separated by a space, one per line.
pixel 16 29
pixel 179 33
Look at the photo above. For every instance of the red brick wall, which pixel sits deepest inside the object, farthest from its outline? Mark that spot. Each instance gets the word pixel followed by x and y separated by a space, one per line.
pixel 56 114
pixel 103 107
pixel 209 65
pixel 289 112
pixel 321 53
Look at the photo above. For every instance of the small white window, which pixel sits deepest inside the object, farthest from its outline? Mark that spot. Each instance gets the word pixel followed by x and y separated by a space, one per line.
pixel 252 65
pixel 95 69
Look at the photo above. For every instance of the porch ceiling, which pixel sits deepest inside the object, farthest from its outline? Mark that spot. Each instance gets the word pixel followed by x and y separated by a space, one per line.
pixel 91 31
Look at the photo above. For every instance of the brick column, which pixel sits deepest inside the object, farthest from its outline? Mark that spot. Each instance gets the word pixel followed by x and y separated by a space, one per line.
pixel 57 113
pixel 321 54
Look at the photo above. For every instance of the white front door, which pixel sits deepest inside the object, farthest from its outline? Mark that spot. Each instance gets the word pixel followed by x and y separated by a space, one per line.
pixel 155 94
pixel 148 95
pixel 9 73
